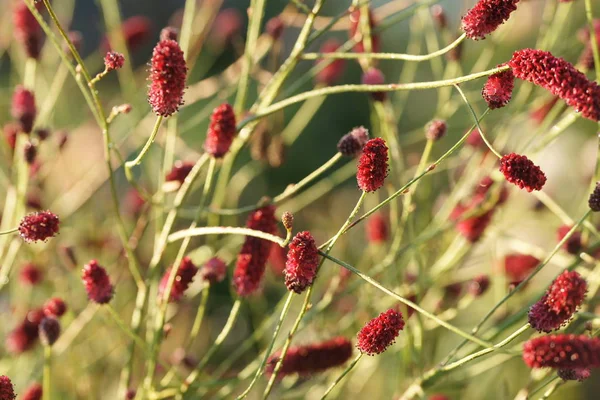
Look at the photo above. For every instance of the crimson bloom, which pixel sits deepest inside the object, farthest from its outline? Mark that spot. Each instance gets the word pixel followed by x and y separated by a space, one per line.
pixel 136 31
pixel 302 262
pixel 185 276
pixel 333 69
pixel 97 283
pixel 562 352
pixel 23 108
pixel 221 131
pixel 167 78
pixel 522 172
pixel 377 228
pixel 594 200
pixel 486 16
pixel 39 226
pixel 518 266
pixel 372 166
pixel 573 245
pixel 27 30
pixel 33 392
pixel 179 172
pixel 113 60
pixel 7 392
pixel 214 270
pixel 55 307
pixel 380 332
pixel 497 91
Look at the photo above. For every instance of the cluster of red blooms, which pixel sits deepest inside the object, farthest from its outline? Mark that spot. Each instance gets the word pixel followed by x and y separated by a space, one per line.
pixel 39 226
pixel 33 392
pixel 562 352
pixel 167 78
pixel 517 267
pixel 486 16
pixel 179 172
pixel 436 129
pixel 221 131
pixel 214 271
pixel 97 283
pixel 574 243
pixel 374 76
pixel 24 336
pixel 332 70
pixel 23 108
pixel 302 262
pixel 136 31
pixel 498 89
pixel 380 332
pixel 7 391
pixel 113 60
pixel 521 171
pixel 185 276
pixel 372 166
pixel 27 30
pixel 377 228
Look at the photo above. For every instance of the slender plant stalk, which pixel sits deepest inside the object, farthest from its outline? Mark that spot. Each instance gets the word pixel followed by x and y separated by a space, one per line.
pixel 47 388
pixel 342 375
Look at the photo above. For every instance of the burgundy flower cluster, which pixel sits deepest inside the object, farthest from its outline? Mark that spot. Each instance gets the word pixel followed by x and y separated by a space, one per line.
pixel 522 172
pixel 377 228
pixel 352 143
pixel 517 267
pixel 39 226
pixel 372 166
pixel 214 271
pixel 23 108
pixel 7 391
pixel 302 262
pixel 562 352
pixel 27 31
pixel 498 89
pixel 332 70
pixel 486 16
pixel 221 131
pixel 24 336
pixel 97 283
pixel 380 332
pixel 167 78
pixel 185 276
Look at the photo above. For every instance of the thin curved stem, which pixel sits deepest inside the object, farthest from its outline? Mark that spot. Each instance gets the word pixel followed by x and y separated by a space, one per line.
pixel 9 231
pixel 342 375
pixel 225 230
pixel 47 393
pixel 138 159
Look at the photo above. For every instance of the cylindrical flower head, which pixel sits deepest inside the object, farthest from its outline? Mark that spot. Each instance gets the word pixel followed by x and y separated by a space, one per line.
pixel 562 299
pixel 97 283
pixel 252 259
pixel 7 392
pixel 33 392
pixel 214 270
pixel 221 131
pixel 377 228
pixel 311 359
pixel 580 374
pixel 302 262
pixel 27 31
pixel 522 172
pixel 471 228
pixel 373 76
pixel 39 226
pixel 498 89
pixel 436 129
pixel 518 266
pixel 594 200
pixel 179 172
pixel 352 143
pixel 380 332
pixel 355 27
pixel 30 274
pixel 49 331
pixel 23 108
pixel 486 16
pixel 562 352
pixel 55 307
pixel 24 335
pixel 185 276
pixel 573 245
pixel 275 27
pixel 479 285
pixel 559 77
pixel 333 69
pixel 169 33
pixel 113 60
pixel 136 31
pixel 372 168
pixel 167 78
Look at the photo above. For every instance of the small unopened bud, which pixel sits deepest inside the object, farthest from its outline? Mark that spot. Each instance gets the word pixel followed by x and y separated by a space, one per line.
pixel 288 220
pixel 30 152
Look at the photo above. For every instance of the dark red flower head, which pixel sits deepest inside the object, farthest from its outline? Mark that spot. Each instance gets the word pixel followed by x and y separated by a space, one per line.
pixel 185 276
pixel 97 283
pixel 55 307
pixel 179 172
pixel 113 60
pixel 30 274
pixel 594 200
pixel 377 228
pixel 573 245
pixel 311 359
pixel 479 285
pixel 372 166
pixel 39 226
pixel 167 78
pixel 228 24
pixel 33 392
pixel 474 139
pixel 333 69
pixel 436 129
pixel 473 227
pixel 27 31
pixel 214 270
pixel 380 332
pixel 7 392
pixel 373 76
pixel 302 262
pixel 522 172
pixel 221 131
pixel 25 335
pixel 580 374
pixel 352 143
pixel 355 28
pixel 23 108
pixel 136 30
pixel 275 27
pixel 49 330
pixel 562 352
pixel 518 266
pixel 486 16
pixel 169 33
pixel 252 259
pixel 497 91
pixel 559 77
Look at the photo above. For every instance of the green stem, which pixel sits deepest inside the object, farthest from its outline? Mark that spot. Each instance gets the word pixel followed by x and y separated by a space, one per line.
pixel 342 375
pixel 9 231
pixel 47 393
pixel 117 319
pixel 138 159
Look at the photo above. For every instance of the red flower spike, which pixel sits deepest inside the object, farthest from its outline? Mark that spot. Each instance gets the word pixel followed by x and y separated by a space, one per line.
pixel 355 27
pixel 49 331
pixel 169 33
pixel 580 374
pixel 522 172
pixel 474 139
pixel 97 283
pixel 55 307
pixel 179 172
pixel 498 89
pixel 518 266
pixel 436 129
pixel 167 78
pixel 471 228
pixel 221 131
pixel 136 31
pixel 7 392
pixel 302 262
pixel 311 359
pixel 573 245
pixel 373 76
pixel 562 352
pixel 30 274
pixel 39 226
pixel 275 27
pixel 185 276
pixel 380 332
pixel 594 200
pixel 372 168
pixel 24 336
pixel 252 259
pixel 23 108
pixel 486 16
pixel 352 143
pixel 479 285
pixel 559 77
pixel 113 60
pixel 27 31
pixel 214 271
pixel 334 69
pixel 33 392
pixel 377 228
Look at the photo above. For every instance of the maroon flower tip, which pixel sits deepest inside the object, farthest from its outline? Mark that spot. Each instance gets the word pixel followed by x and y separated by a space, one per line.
pixel 355 28
pixel 131 393
pixel 302 262
pixel 55 307
pixel 562 352
pixel 25 335
pixel 486 16
pixel 30 152
pixel 275 27
pixel 113 60
pixel 167 78
pixel 221 131
pixel 11 130
pixel 333 69
pixel 474 139
pixel 49 331
pixel 23 108
pixel 252 259
pixel 352 143
pixel 185 276
pixel 7 392
pixel 377 228
pixel 27 31
pixel 228 24
pixel 594 200
pixel 479 285
pixel 518 266
pixel 521 171
pixel 438 397
pixel 42 133
pixel 579 374
pixel 498 89
pixel 559 77
pixel 134 202
pixel 179 172
pixel 314 358
pixel 380 332
pixel 169 33
pixel 33 392
pixel 373 76
pixel 473 227
pixel 573 245
pixel 30 274
pixel 372 166
pixel 97 283
pixel 436 129
pixel 39 226
pixel 214 270
pixel 136 31
pixel 439 16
